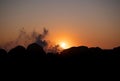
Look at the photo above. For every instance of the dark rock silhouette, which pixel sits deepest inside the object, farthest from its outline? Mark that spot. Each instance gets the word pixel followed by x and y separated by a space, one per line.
pixel 3 53
pixel 17 54
pixel 35 53
pixel 18 51
pixel 82 55
pixel 75 51
pixel 117 50
pixel 3 56
pixel 35 50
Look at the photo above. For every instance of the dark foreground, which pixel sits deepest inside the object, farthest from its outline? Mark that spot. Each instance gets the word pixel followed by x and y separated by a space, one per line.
pixel 35 55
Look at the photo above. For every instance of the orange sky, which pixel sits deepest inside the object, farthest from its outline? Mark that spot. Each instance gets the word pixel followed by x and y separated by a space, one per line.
pixel 78 22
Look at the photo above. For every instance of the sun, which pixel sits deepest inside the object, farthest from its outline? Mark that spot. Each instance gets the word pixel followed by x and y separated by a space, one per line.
pixel 63 45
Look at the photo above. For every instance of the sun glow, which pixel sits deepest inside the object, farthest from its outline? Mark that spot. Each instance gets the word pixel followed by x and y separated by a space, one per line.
pixel 63 45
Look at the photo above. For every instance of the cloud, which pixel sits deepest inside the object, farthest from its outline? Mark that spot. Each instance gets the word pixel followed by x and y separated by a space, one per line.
pixel 39 38
pixel 24 38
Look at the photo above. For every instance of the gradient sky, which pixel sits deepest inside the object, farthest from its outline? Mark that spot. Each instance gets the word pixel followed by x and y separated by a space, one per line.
pixel 77 22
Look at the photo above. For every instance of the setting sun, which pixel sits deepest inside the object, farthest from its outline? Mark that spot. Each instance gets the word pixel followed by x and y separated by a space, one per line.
pixel 63 45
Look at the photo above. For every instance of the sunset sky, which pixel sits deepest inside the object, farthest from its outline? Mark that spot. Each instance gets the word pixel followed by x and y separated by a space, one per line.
pixel 77 22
